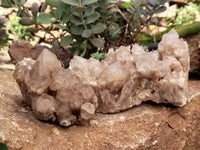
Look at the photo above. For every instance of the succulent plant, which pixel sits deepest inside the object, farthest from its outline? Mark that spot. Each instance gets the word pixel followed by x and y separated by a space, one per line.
pixel 87 26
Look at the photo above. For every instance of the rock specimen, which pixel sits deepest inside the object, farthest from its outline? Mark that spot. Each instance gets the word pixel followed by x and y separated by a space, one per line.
pixel 20 49
pixel 126 77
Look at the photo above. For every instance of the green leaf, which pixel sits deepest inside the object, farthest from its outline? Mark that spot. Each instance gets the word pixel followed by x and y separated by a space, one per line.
pixel 65 17
pixel 26 21
pixel 95 5
pixel 71 2
pixel 77 30
pixel 98 56
pixel 6 3
pixel 43 8
pixel 160 2
pixel 152 3
pixel 80 9
pixel 5 41
pixel 75 20
pixel 60 26
pixel 65 41
pixel 92 18
pixel 98 28
pixel 44 18
pixel 32 29
pixel 77 10
pixel 87 2
pixel 52 3
pixel 86 33
pixel 60 9
pixel 35 9
pixel 126 4
pixel 113 1
pixel 3 146
pixel 21 3
pixel 97 42
pixel 89 11
pixel 112 10
pixel 84 44
pixel 160 9
pixel 16 2
pixel 55 46
pixel 22 13
pixel 83 53
pixel 52 14
pixel 114 30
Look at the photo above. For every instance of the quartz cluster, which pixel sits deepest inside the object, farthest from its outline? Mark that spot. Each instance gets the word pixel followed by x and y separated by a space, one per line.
pixel 126 77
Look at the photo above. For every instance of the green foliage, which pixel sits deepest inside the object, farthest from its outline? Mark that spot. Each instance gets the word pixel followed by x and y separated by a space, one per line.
pixel 52 3
pixel 88 25
pixel 12 3
pixel 17 30
pixel 185 15
pixel 85 21
pixel 98 56
pixel 140 14
pixel 144 38
pixel 3 146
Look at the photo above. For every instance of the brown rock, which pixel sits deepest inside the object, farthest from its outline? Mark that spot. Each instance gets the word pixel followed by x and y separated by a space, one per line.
pixel 194 46
pixel 21 49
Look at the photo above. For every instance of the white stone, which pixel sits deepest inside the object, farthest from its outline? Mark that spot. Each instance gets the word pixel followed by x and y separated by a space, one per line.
pixel 126 77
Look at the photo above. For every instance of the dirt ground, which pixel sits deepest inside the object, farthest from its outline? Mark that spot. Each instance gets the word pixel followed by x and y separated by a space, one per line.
pixel 148 126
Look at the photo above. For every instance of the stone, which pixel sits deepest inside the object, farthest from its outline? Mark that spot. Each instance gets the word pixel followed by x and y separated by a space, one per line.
pixel 21 49
pixel 29 3
pixel 147 126
pixel 194 47
pixel 125 78
pixel 45 81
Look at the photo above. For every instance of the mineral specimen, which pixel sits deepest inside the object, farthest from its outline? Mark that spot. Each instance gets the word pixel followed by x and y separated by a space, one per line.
pixel 126 77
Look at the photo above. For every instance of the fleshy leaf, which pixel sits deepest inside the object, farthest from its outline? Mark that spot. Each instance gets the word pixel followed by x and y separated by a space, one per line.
pixel 160 9
pixel 98 28
pixel 71 2
pixel 114 30
pixel 52 3
pixel 32 29
pixel 26 21
pixel 35 9
pixel 113 1
pixel 98 42
pixel 65 41
pixel 92 18
pixel 77 30
pixel 126 4
pixel 87 2
pixel 89 11
pixel 75 20
pixel 3 146
pixel 86 33
pixel 84 44
pixel 44 18
pixel 77 10
pixel 152 3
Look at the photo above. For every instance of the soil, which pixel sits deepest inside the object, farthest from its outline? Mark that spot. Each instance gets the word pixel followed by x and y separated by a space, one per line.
pixel 147 126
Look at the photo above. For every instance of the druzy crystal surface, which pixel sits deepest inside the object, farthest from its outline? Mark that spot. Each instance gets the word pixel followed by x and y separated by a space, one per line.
pixel 126 77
